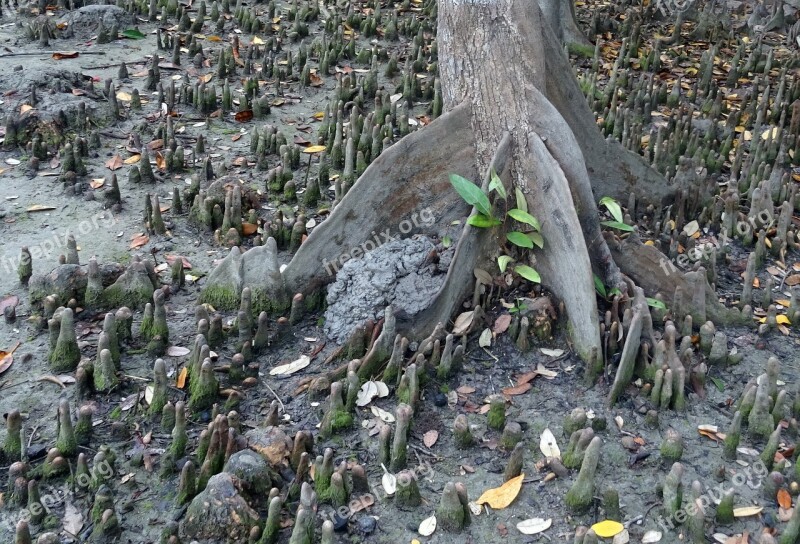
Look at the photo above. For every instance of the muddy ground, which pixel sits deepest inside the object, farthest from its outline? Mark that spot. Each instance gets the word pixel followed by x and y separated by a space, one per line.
pixel 144 502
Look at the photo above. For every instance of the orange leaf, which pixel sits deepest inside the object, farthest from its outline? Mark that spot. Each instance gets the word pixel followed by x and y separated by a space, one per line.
pixel 784 499
pixel 139 241
pixel 161 162
pixel 243 116
pixel 518 389
pixel 114 163
pixel 133 159
pixel 182 378
pixel 249 229
pixel 7 358
pixel 65 55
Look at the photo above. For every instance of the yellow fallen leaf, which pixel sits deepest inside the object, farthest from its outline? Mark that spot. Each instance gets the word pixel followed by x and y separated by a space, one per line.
pixel 124 97
pixel 314 149
pixel 25 108
pixel 607 528
pixel 781 319
pixel 500 497
pixel 784 302
pixel 133 159
pixel 257 41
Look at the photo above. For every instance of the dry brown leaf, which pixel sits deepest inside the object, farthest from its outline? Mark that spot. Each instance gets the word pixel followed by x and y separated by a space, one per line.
pixel 430 438
pixel 155 145
pixel 97 183
pixel 793 280
pixel 517 389
pixel 133 159
pixel 243 116
pixel 249 229
pixel 463 323
pixel 501 497
pixel 501 324
pixel 139 241
pixel 114 163
pixel 7 358
pixel 181 382
pixel 161 162
pixel 465 390
pixel 65 55
pixel 316 81
pixel 527 377
pixel 25 108
pixel 784 499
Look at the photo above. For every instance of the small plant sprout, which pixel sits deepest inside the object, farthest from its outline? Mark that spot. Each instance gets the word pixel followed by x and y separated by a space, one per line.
pixel 616 212
pixel 526 237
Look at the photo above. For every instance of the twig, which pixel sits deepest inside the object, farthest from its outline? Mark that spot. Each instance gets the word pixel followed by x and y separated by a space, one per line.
pixel 33 433
pixel 34 53
pixel 283 408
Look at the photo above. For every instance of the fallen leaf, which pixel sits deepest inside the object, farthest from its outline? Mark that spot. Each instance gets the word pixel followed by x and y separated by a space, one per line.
pixel 369 391
pixel 124 97
pixel 552 352
pixel 149 391
pixel 428 526
pixel 11 300
pixel 465 390
pixel 161 161
pixel 243 116
pixel 139 241
pixel 545 373
pixel 388 481
pixel 607 528
pixel 73 519
pixel 548 445
pixel 181 382
pixel 114 163
pixel 177 351
pixel 65 55
pixel 430 438
pixel 784 498
pixel 651 537
pixel 501 497
pixel 24 109
pixel 40 208
pixel 7 358
pixel 501 324
pixel 485 339
pixel 381 414
pixel 534 526
pixel 517 389
pixel 97 183
pixel 133 159
pixel 291 368
pixel 746 511
pixel 463 323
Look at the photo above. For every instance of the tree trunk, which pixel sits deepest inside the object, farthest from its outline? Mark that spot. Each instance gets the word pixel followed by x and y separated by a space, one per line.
pixel 560 16
pixel 492 56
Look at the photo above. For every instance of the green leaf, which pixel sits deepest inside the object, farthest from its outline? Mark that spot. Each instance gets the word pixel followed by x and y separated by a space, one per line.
pixel 719 383
pixel 519 239
pixel 655 303
pixel 482 221
pixel 536 238
pixel 613 207
pixel 618 225
pixel 599 287
pixel 615 291
pixel 522 204
pixel 524 217
pixel 502 262
pixel 528 273
pixel 133 34
pixel 496 184
pixel 447 241
pixel 471 194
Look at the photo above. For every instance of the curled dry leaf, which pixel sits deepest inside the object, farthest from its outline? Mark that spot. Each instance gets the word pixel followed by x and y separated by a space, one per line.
pixel 747 511
pixel 501 497
pixel 291 368
pixel 784 499
pixel 369 391
pixel 114 163
pixel 517 389
pixel 181 381
pixel 133 159
pixel 552 352
pixel 96 183
pixel 388 481
pixel 534 526
pixel 383 415
pixel 177 351
pixel 148 394
pixel 463 323
pixel 428 526
pixel 485 339
pixel 139 241
pixel 243 116
pixel 548 445
pixel 7 358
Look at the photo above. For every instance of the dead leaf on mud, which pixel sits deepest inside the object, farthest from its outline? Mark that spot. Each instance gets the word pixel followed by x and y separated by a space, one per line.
pixel 7 358
pixel 243 116
pixel 40 208
pixel 501 324
pixel 430 438
pixel 65 55
pixel 139 240
pixel 133 159
pixel 181 382
pixel 463 322
pixel 177 351
pixel 517 389
pixel 501 497
pixel 114 163
pixel 73 519
pixel 291 368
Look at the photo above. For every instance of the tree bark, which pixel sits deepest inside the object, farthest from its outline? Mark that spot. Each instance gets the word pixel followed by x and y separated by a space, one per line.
pixel 560 16
pixel 492 56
